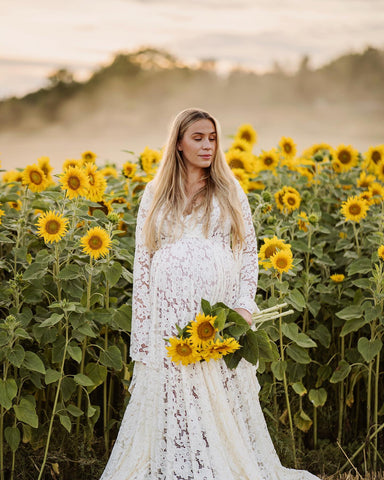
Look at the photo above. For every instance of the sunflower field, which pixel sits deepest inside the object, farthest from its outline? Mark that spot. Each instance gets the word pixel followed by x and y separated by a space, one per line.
pixel 67 247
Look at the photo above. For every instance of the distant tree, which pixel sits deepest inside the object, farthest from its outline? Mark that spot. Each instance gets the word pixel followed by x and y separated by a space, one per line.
pixel 61 76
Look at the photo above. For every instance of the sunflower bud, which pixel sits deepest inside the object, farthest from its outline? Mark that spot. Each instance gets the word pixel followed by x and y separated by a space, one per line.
pixel 267 197
pixel 313 219
pixel 271 220
pixel 113 217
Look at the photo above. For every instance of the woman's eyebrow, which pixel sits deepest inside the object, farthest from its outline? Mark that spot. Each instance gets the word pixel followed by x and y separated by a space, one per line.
pixel 200 133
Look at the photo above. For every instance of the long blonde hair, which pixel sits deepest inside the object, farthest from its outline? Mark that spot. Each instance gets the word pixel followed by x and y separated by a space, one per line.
pixel 169 197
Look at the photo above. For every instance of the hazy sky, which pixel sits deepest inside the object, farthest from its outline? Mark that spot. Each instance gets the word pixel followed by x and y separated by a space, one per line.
pixel 38 36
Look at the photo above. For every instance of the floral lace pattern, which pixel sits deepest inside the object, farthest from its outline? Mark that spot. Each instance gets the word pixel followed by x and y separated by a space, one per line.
pixel 201 421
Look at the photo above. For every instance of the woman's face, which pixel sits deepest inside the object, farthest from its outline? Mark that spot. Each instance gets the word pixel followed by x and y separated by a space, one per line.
pixel 198 145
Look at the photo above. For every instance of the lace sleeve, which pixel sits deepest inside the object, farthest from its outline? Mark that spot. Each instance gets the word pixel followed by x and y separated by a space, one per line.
pixel 141 294
pixel 249 268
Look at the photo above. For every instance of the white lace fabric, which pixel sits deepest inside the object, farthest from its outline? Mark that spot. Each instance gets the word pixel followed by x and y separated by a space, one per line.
pixel 201 421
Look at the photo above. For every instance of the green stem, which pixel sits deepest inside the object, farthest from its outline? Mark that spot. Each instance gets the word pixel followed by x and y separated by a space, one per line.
pixel 355 231
pixel 56 399
pixel 106 408
pixel 376 408
pixel 2 412
pixel 341 398
pixel 315 427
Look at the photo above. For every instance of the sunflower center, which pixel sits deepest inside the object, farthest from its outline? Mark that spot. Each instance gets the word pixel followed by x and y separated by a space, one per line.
pixel 205 330
pixel 268 161
pixel 376 156
pixel 344 157
pixel 236 163
pixel 183 349
pixel 74 183
pixel 270 250
pixel 246 136
pixel 355 209
pixel 88 156
pixel 36 177
pixel 291 200
pixel 281 263
pixel 287 147
pixel 95 242
pixel 52 227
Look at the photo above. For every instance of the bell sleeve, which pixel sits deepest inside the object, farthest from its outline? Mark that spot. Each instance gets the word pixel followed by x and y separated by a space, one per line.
pixel 249 265
pixel 141 301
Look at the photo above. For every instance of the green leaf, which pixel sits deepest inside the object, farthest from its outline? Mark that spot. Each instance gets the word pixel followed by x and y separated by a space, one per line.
pixel 16 356
pixel 91 411
pixel 52 320
pixel 291 330
pixel 322 334
pixel 97 373
pixel 278 368
pixel 26 412
pixel 317 397
pixel 299 354
pixel 83 380
pixel 250 348
pixel 361 283
pixel 350 312
pixel 122 317
pixel 302 421
pixel 35 271
pixel 70 272
pixel 112 358
pixel 240 327
pixel 113 273
pixel 66 422
pixel 296 299
pixel 8 391
pixel 233 359
pixel 369 348
pixel 67 387
pixel 353 326
pixel 342 371
pixel 12 436
pixel 33 362
pixel 75 411
pixel 220 319
pixel 299 388
pixel 300 246
pixel 51 376
pixel 206 307
pixel 323 373
pixel 75 352
pixel 361 265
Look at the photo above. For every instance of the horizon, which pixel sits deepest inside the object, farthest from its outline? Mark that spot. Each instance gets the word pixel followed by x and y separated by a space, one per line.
pixel 36 40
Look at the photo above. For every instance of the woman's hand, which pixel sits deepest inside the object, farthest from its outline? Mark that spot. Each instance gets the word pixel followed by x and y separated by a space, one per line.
pixel 245 314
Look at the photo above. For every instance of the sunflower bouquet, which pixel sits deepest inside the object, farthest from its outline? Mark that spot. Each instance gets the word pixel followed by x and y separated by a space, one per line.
pixel 220 332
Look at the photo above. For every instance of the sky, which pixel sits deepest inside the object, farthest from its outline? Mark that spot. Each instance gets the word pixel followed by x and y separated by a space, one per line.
pixel 39 36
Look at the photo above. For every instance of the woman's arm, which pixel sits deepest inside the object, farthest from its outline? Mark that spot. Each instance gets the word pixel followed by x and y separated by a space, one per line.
pixel 141 302
pixel 249 270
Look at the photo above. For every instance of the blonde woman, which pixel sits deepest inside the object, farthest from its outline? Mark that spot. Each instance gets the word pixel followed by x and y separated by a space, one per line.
pixel 194 239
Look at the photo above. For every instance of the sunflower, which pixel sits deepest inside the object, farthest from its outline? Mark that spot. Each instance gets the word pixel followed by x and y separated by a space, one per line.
pixel 97 183
pixel 123 228
pixel 43 163
pixel 13 176
pixel 15 205
pixel 237 159
pixel 35 178
pixel 202 330
pixel 322 150
pixel 149 159
pixel 303 222
pixel 216 350
pixel 129 169
pixel 380 252
pixel 246 132
pixel 71 162
pixel 74 180
pixel 241 144
pixel 346 156
pixel 379 170
pixel 242 178
pixel 336 165
pixel 354 209
pixel 367 196
pixel 373 156
pixel 96 242
pixel 377 192
pixel 255 185
pixel 291 201
pixel 182 350
pixel 287 146
pixel 343 235
pixel 109 172
pixel 337 277
pixel 270 247
pixel 282 260
pixel 51 226
pixel 1 214
pixel 88 157
pixel 268 160
pixel 365 180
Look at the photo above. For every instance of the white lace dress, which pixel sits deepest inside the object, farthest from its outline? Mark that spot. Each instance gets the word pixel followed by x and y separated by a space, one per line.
pixel 201 421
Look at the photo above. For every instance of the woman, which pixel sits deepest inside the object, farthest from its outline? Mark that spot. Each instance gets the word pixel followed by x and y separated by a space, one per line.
pixel 194 239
